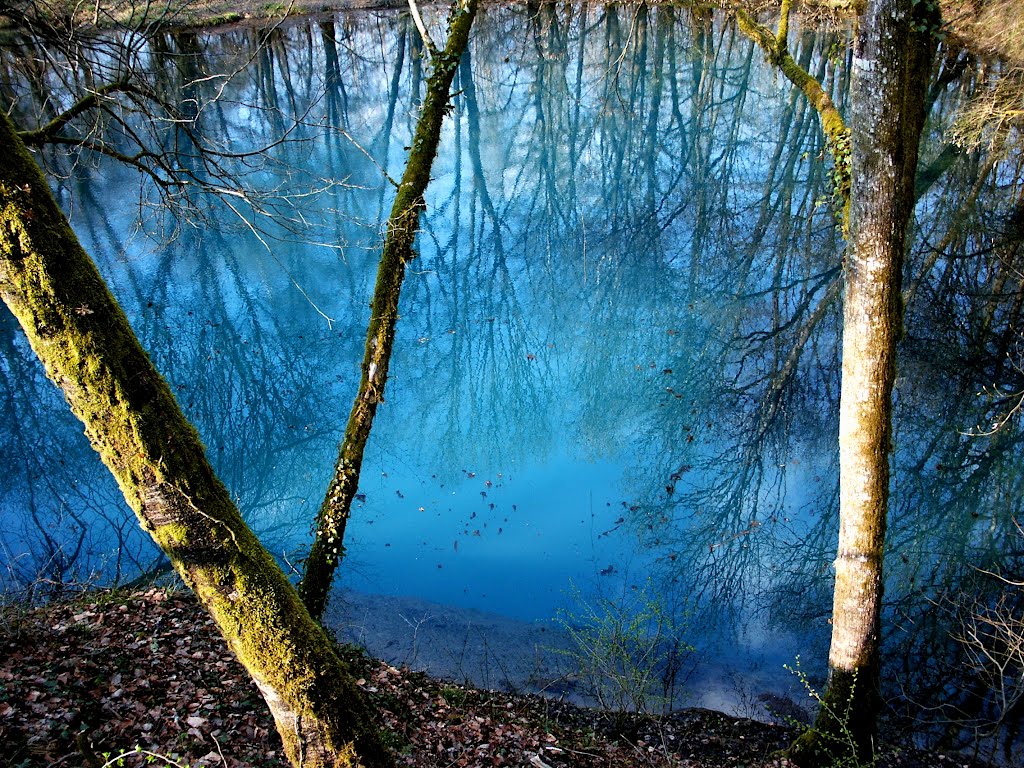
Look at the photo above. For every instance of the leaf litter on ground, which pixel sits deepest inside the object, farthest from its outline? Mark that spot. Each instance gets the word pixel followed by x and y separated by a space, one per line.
pixel 111 673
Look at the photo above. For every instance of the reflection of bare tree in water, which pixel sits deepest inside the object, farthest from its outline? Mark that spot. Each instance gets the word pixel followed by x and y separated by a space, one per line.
pixel 612 171
pixel 963 483
pixel 956 495
pixel 675 231
pixel 779 278
pixel 474 311
pixel 59 533
pixel 234 361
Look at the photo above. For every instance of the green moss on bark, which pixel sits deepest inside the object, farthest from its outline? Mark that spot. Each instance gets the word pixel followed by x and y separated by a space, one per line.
pixel 131 418
pixel 837 135
pixel 403 223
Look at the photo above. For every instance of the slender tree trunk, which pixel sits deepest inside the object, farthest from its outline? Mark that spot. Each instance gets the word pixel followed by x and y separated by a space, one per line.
pixel 891 70
pixel 837 135
pixel 82 337
pixel 331 521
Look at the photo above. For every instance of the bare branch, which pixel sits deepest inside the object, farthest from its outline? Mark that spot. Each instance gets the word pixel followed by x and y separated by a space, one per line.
pixel 91 101
pixel 427 41
pixel 837 135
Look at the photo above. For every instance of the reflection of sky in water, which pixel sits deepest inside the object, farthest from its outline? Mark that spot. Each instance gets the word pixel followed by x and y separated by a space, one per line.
pixel 543 346
pixel 509 541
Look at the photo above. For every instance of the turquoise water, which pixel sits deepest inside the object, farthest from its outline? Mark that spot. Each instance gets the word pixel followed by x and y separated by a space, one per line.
pixel 615 365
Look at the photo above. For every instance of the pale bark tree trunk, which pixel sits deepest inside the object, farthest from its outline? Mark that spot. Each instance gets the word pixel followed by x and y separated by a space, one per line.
pixel 83 339
pixel 891 69
pixel 403 223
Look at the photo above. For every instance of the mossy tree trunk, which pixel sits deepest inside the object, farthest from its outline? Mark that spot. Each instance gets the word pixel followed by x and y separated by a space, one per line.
pixel 332 518
pixel 837 135
pixel 83 339
pixel 891 70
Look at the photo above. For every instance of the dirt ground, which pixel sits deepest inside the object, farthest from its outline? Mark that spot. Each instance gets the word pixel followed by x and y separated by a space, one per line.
pixel 146 673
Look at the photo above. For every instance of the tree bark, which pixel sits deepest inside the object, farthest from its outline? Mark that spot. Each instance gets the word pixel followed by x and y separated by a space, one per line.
pixel 891 70
pixel 83 339
pixel 403 223
pixel 837 135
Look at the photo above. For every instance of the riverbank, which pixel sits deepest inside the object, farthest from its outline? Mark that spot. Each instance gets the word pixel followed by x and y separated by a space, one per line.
pixel 491 651
pixel 109 673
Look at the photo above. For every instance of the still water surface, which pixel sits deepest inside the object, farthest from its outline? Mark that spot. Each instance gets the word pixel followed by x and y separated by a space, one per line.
pixel 616 370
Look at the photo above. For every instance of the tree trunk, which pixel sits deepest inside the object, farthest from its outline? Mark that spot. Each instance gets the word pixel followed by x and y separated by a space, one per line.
pixel 891 70
pixel 82 337
pixel 403 223
pixel 837 135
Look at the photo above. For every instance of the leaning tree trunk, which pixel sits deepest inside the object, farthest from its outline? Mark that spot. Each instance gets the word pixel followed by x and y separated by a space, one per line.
pixel 837 135
pixel 332 518
pixel 83 339
pixel 891 70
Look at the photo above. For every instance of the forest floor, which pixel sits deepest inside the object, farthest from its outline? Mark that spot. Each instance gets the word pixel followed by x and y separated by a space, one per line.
pixel 110 673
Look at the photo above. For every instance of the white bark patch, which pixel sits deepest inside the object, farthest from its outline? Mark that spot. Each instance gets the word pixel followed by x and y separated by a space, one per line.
pixel 305 736
pixel 854 628
pixel 863 65
pixel 282 713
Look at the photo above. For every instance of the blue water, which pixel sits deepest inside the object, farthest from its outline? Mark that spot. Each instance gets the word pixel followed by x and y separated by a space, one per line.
pixel 601 378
